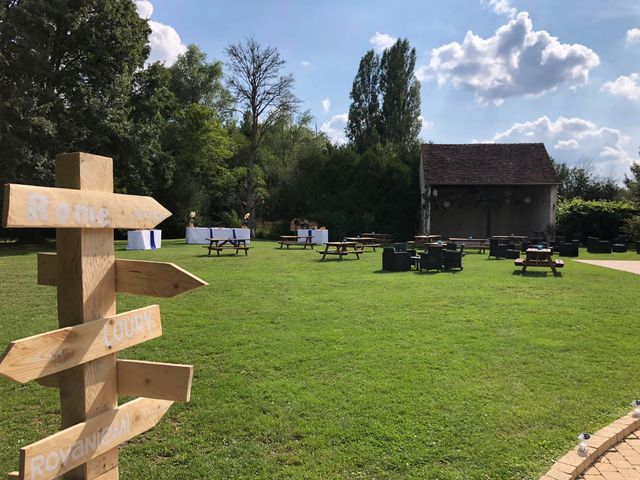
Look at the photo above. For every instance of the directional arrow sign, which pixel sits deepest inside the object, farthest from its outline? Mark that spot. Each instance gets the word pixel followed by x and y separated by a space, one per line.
pixel 164 381
pixel 55 455
pixel 55 351
pixel 137 277
pixel 46 207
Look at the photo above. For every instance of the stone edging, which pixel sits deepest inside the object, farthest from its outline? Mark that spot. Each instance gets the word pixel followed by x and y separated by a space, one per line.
pixel 572 464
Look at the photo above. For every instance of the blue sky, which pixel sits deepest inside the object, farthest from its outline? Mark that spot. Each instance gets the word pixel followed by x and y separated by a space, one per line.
pixel 562 72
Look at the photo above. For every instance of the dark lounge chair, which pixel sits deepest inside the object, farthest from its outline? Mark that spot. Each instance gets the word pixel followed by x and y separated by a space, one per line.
pixel 432 259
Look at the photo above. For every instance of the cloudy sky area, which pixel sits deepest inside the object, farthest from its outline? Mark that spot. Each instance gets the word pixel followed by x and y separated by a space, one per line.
pixel 563 73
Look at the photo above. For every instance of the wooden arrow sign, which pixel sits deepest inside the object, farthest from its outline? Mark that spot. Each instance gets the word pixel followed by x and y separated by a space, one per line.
pixel 137 277
pixel 55 351
pixel 164 381
pixel 46 207
pixel 55 455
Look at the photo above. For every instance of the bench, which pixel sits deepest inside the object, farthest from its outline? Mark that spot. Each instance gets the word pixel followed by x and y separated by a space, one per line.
pixel 341 253
pixel 219 249
pixel 521 262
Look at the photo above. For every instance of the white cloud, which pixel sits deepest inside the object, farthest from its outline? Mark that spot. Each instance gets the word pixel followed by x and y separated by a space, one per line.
pixel 426 125
pixel 144 8
pixel 382 41
pixel 305 63
pixel 326 103
pixel 334 128
pixel 164 41
pixel 516 61
pixel 573 140
pixel 503 7
pixel 626 87
pixel 633 35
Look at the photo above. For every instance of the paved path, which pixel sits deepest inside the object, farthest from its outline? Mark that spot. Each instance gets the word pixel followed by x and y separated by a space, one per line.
pixel 631 266
pixel 621 462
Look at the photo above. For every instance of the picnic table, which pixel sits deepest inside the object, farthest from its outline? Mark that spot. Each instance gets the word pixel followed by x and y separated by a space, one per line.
pixel 479 243
pixel 288 240
pixel 539 257
pixel 380 237
pixel 369 242
pixel 520 238
pixel 219 244
pixel 341 249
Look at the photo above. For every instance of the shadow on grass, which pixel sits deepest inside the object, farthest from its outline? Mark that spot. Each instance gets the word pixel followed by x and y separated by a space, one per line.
pixel 537 274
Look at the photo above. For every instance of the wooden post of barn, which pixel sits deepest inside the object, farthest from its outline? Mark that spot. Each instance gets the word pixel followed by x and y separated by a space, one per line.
pixel 86 292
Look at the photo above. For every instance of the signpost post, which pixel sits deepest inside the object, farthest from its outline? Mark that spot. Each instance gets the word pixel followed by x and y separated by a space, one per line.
pixel 80 357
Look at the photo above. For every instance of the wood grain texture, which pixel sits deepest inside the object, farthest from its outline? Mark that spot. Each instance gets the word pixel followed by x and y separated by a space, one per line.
pixel 164 381
pixel 48 353
pixel 136 277
pixel 62 452
pixel 86 292
pixel 28 206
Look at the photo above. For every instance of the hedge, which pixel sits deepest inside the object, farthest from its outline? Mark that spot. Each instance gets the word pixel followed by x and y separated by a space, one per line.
pixel 604 219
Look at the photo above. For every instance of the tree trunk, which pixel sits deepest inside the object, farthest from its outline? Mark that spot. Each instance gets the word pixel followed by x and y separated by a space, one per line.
pixel 251 187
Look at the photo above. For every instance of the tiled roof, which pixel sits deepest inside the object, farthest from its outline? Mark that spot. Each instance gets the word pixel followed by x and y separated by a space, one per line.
pixel 487 164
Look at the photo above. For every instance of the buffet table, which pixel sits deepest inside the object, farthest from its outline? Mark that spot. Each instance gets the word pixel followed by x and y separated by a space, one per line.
pixel 318 237
pixel 201 235
pixel 144 239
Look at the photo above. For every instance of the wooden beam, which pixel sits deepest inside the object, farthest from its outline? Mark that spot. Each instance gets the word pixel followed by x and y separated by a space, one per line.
pixel 48 353
pixel 137 277
pixel 53 456
pixel 27 206
pixel 86 291
pixel 162 381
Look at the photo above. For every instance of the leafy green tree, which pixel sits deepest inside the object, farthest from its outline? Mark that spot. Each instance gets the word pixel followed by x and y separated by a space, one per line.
pixel 66 74
pixel 400 122
pixel 265 96
pixel 582 182
pixel 633 183
pixel 364 112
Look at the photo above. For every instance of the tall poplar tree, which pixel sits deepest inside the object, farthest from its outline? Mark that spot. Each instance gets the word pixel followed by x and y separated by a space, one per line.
pixel 400 89
pixel 364 111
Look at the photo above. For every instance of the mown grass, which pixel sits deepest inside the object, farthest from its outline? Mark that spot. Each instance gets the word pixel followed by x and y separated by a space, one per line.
pixel 323 370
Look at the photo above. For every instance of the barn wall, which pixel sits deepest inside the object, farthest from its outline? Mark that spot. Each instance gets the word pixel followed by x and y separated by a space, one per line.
pixel 460 211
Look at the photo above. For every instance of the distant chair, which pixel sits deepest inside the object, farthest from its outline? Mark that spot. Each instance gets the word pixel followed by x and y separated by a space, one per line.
pixel 497 248
pixel 568 249
pixel 400 247
pixel 595 245
pixel 396 261
pixel 432 259
pixel 452 258
pixel 513 252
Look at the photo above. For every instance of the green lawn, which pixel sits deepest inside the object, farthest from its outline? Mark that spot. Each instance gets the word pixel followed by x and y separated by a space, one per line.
pixel 334 370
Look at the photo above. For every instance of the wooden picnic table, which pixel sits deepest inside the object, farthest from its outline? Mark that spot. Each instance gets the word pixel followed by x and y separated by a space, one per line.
pixel 341 249
pixel 288 240
pixel 369 242
pixel 380 237
pixel 219 244
pixel 426 238
pixel 536 257
pixel 479 243
pixel 510 237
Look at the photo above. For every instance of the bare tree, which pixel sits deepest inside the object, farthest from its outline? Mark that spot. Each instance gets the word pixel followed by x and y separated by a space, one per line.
pixel 264 94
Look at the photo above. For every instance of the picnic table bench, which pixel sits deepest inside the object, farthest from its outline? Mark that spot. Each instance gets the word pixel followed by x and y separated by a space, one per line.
pixel 288 240
pixel 476 243
pixel 539 258
pixel 219 245
pixel 369 242
pixel 341 249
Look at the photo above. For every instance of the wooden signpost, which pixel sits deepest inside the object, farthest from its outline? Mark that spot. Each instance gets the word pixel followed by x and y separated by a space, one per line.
pixel 80 357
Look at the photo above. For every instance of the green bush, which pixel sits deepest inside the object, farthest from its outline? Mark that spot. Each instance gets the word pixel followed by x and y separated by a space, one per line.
pixel 632 228
pixel 579 218
pixel 272 230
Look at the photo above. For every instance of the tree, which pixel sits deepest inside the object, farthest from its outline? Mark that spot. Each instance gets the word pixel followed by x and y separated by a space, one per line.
pixel 633 183
pixel 264 94
pixel 364 111
pixel 400 122
pixel 66 74
pixel 582 182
